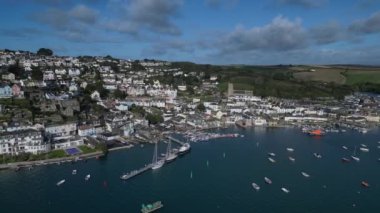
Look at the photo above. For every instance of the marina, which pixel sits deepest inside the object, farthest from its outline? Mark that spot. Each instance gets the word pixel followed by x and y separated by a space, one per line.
pixel 198 182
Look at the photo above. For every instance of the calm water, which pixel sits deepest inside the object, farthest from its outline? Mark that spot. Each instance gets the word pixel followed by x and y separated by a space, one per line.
pixel 222 186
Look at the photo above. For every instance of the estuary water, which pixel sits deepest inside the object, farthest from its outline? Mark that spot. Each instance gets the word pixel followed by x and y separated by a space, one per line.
pixel 216 176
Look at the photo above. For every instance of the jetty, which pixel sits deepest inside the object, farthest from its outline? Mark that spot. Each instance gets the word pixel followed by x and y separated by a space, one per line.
pixel 175 140
pixel 149 166
pixel 134 173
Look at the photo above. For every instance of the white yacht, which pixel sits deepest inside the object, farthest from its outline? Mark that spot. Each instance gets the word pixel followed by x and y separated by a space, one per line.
pixel 364 149
pixel 292 159
pixel 60 182
pixel 317 155
pixel 344 147
pixel 170 154
pixel 285 190
pixel 271 154
pixel 157 163
pixel 255 186
pixel 290 149
pixel 185 148
pixel 272 160
pixel 74 172
pixel 305 174
pixel 87 177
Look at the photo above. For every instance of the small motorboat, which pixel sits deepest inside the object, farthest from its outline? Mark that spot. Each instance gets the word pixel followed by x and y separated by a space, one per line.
pixel 271 154
pixel 74 172
pixel 364 149
pixel 61 182
pixel 355 158
pixel 365 184
pixel 305 174
pixel 363 145
pixel 255 186
pixel 345 160
pixel 267 180
pixel 317 155
pixel 292 159
pixel 285 190
pixel 272 160
pixel 290 149
pixel 87 177
pixel 344 147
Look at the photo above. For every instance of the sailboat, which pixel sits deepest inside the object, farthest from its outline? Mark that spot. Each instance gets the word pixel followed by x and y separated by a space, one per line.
pixel 354 156
pixel 170 155
pixel 156 164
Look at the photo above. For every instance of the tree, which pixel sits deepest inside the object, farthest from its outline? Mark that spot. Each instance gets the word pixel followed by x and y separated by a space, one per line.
pixel 16 69
pixel 154 118
pixel 45 52
pixel 119 94
pixel 37 74
pixel 201 107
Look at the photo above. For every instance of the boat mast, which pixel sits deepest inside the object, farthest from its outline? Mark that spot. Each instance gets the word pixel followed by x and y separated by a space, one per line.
pixel 154 160
pixel 168 151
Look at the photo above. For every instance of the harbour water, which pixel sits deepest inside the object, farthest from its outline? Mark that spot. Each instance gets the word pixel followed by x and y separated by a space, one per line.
pixel 216 176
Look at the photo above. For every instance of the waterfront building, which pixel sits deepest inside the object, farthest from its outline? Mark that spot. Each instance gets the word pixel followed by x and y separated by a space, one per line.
pixel 24 141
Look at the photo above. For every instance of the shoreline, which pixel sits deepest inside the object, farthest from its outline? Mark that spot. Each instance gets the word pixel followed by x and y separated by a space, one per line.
pixel 25 164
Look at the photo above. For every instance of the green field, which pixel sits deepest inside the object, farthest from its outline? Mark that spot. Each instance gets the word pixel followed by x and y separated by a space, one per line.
pixel 324 75
pixel 357 77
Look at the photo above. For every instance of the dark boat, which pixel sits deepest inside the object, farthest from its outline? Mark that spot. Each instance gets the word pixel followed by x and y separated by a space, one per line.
pixel 345 160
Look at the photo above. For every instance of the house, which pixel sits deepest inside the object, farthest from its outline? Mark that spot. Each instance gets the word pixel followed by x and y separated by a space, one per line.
pixel 67 142
pixel 48 75
pixel 8 76
pixel 74 72
pixel 16 91
pixel 61 129
pixel 95 96
pixel 73 88
pixel 25 141
pixel 5 91
pixel 86 130
pixel 68 107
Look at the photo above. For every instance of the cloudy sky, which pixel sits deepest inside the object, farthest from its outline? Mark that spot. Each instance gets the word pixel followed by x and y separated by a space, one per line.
pixel 203 31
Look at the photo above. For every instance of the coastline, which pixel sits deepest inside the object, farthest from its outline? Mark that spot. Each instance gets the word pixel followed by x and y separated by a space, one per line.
pixel 22 164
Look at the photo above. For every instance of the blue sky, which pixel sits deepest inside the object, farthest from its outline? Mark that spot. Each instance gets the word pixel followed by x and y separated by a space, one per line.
pixel 203 31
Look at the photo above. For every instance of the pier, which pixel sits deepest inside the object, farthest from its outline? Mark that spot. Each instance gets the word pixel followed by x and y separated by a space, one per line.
pixel 147 167
pixel 136 172
pixel 175 140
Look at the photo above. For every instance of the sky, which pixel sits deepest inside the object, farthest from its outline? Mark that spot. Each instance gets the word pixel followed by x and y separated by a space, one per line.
pixel 202 31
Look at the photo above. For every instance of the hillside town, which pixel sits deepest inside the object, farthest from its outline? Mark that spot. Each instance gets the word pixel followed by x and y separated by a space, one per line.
pixel 50 102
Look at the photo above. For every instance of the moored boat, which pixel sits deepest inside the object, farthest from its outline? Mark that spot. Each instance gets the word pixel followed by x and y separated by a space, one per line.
pixel 364 149
pixel 61 182
pixel 290 149
pixel 317 155
pixel 87 177
pixel 184 149
pixel 74 172
pixel 345 160
pixel 255 186
pixel 267 180
pixel 316 132
pixel 272 160
pixel 292 159
pixel 344 147
pixel 271 154
pixel 305 174
pixel 365 184
pixel 355 158
pixel 158 164
pixel 151 207
pixel 285 190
